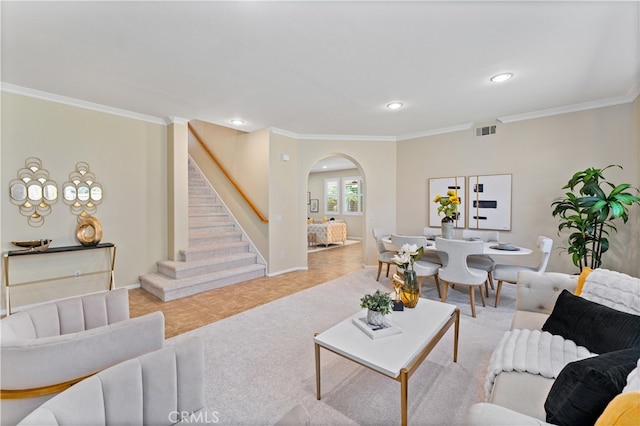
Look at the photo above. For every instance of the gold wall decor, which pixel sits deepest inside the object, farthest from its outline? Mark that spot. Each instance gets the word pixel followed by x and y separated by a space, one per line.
pixel 82 192
pixel 33 192
pixel 89 231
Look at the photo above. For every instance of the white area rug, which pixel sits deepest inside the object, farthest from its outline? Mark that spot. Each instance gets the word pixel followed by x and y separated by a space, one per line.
pixel 320 247
pixel 260 363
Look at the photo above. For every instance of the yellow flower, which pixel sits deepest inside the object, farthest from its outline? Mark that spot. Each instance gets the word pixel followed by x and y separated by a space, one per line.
pixel 448 205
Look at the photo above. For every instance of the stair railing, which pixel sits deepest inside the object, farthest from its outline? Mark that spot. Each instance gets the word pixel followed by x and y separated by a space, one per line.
pixel 213 158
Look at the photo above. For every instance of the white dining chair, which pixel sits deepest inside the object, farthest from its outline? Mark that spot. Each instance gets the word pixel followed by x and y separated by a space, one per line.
pixel 509 273
pixel 433 256
pixel 384 256
pixel 457 271
pixel 423 268
pixel 482 261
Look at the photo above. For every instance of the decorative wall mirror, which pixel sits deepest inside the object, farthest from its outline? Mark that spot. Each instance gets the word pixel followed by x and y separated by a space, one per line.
pixel 33 192
pixel 82 192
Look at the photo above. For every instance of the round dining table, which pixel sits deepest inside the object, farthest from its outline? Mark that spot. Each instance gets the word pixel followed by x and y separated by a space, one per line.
pixel 489 248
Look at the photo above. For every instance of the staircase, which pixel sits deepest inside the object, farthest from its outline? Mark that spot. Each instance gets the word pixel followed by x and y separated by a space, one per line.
pixel 218 254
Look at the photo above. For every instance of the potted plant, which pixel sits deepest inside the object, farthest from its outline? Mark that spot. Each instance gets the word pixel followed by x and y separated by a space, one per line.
pixel 588 211
pixel 378 305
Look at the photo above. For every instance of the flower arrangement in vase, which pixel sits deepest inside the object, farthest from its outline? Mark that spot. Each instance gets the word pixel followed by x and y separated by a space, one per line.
pixel 449 206
pixel 408 286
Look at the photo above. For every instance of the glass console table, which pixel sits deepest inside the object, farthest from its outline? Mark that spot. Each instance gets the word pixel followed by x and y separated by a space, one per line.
pixel 59 273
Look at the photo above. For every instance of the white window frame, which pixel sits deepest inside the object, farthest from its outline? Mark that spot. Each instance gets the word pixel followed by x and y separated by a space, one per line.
pixel 328 196
pixel 345 193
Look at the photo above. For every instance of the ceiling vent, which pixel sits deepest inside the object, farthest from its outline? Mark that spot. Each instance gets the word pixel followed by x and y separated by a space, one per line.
pixel 486 130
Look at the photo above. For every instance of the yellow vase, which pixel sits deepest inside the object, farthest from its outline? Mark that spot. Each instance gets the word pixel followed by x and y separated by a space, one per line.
pixel 410 290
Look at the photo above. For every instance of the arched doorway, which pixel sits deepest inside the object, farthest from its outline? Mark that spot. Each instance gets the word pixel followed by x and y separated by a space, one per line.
pixel 336 190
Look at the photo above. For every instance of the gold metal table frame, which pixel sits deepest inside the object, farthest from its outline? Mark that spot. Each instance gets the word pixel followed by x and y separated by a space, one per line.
pixel 408 371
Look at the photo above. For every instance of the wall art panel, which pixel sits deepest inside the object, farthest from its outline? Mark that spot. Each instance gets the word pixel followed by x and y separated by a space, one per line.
pixel 490 202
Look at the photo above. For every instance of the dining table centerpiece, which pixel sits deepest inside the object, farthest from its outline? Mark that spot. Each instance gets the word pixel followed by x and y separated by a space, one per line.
pixel 408 287
pixel 448 205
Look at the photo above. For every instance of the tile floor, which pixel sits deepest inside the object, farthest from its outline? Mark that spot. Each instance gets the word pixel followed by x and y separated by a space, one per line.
pixel 195 311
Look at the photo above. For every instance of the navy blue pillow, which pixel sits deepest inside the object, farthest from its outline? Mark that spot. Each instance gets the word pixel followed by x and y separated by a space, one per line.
pixel 584 388
pixel 592 325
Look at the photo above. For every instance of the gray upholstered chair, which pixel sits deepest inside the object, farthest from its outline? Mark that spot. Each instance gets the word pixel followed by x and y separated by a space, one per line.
pixel 384 256
pixel 482 261
pixel 434 256
pixel 423 267
pixel 457 271
pixel 509 273
pixel 160 388
pixel 48 348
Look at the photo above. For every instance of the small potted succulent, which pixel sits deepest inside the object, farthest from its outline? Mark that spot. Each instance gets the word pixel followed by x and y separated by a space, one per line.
pixel 378 305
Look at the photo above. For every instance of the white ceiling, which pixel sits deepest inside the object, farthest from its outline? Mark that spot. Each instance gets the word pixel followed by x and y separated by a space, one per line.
pixel 326 68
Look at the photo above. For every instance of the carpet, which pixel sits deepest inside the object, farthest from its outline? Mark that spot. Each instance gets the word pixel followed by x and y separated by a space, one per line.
pixel 260 363
pixel 321 247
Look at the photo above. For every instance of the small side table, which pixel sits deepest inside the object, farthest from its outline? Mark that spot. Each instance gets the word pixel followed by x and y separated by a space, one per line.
pixel 311 239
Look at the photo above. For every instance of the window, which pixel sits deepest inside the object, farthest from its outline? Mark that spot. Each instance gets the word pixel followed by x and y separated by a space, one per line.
pixel 352 198
pixel 331 196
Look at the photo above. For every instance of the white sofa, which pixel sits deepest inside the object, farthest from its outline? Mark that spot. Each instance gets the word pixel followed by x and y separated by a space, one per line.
pixel 518 397
pixel 52 346
pixel 160 388
pixel 330 232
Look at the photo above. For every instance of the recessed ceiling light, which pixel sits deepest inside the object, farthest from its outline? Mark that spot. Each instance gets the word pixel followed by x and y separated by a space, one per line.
pixel 501 77
pixel 237 122
pixel 394 105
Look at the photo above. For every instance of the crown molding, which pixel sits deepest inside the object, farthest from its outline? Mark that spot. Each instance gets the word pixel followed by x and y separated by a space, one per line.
pixel 301 136
pixel 440 131
pixel 629 97
pixel 32 93
pixel 175 120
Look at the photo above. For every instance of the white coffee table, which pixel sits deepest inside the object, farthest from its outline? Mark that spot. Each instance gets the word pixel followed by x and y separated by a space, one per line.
pixel 397 356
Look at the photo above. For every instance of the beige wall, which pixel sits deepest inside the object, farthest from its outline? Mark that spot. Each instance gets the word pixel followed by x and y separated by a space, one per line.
pixel 246 158
pixel 376 160
pixel 354 223
pixel 542 155
pixel 128 158
pixel 283 202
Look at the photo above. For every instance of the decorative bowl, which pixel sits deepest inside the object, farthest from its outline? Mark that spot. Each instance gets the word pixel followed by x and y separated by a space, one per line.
pixel 31 243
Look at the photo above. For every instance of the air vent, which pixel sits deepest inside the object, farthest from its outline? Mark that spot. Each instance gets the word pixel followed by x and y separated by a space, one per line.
pixel 486 130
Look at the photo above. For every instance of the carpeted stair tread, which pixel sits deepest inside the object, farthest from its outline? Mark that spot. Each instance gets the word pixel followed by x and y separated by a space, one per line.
pixel 199 238
pixel 178 269
pixel 168 289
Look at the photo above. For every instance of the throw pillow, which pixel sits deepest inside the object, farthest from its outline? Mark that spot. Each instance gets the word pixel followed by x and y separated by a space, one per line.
pixel 624 410
pixel 584 388
pixel 581 280
pixel 592 325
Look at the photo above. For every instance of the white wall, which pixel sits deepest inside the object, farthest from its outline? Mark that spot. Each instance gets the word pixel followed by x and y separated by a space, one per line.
pixel 542 155
pixel 128 158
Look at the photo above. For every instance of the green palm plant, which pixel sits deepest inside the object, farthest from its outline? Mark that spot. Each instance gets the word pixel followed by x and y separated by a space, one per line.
pixel 590 214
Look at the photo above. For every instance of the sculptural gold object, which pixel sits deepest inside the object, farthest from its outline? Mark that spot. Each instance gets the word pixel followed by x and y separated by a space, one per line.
pixel 89 231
